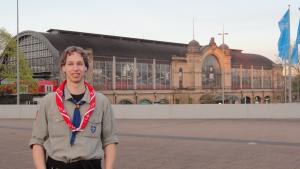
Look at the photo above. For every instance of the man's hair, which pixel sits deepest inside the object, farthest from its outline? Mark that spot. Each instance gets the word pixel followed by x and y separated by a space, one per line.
pixel 71 49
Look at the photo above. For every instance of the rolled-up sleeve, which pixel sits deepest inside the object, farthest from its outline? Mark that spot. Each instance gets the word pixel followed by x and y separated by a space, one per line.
pixel 40 125
pixel 109 135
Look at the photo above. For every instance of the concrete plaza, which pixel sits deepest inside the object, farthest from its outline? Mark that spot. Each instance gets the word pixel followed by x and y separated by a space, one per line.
pixel 180 144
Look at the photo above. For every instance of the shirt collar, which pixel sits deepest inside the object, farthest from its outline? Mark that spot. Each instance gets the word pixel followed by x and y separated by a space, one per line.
pixel 86 96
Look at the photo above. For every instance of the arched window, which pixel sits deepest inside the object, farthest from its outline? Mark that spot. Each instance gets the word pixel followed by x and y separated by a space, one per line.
pixel 267 99
pixel 125 102
pixel 180 77
pixel 145 101
pixel 246 100
pixel 233 99
pixel 163 101
pixel 211 73
pixel 257 99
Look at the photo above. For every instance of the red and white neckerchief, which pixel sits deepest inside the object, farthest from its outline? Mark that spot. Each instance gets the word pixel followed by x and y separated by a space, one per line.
pixel 64 114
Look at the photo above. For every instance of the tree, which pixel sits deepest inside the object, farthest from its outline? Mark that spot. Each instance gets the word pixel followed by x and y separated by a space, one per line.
pixel 8 49
pixel 5 37
pixel 7 55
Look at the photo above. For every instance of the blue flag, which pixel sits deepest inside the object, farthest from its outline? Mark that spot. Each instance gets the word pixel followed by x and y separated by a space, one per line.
pixel 284 39
pixel 294 56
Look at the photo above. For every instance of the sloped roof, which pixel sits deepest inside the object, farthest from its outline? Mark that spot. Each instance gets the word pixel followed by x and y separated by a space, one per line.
pixel 105 45
pixel 246 59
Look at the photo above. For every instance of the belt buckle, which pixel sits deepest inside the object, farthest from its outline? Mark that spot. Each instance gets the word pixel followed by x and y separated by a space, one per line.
pixel 72 161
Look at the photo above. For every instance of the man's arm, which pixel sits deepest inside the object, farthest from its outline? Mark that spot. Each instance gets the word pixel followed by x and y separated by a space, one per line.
pixel 38 155
pixel 109 156
pixel 108 135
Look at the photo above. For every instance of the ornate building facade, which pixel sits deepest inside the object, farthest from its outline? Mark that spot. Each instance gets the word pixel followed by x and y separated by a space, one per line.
pixel 140 71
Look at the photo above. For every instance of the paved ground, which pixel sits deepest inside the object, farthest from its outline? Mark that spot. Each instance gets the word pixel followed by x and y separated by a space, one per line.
pixel 181 144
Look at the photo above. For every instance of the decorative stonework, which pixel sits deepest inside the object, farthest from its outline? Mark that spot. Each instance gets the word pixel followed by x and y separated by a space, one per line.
pixel 212 43
pixel 193 47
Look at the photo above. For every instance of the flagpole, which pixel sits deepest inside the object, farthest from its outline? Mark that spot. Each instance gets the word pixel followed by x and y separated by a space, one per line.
pixel 193 29
pixel 289 54
pixel 284 60
pixel 18 60
pixel 298 66
pixel 223 74
pixel 284 47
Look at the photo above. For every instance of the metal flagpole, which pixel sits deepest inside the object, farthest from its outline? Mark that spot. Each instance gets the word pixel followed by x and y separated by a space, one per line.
pixel 284 60
pixel 193 29
pixel 18 60
pixel 223 79
pixel 298 93
pixel 298 89
pixel 289 54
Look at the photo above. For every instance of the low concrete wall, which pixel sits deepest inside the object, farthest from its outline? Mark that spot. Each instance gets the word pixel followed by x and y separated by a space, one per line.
pixel 180 111
pixel 208 111
pixel 15 111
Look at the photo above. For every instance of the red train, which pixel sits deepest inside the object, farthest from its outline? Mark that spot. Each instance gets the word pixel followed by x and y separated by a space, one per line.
pixel 46 86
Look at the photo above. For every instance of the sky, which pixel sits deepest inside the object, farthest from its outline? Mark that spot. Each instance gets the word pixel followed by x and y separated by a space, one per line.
pixel 252 26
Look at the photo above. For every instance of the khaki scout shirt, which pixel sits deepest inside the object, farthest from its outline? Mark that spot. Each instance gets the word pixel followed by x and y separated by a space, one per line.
pixel 51 131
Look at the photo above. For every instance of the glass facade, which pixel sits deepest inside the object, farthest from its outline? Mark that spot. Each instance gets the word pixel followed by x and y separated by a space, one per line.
pixel 211 73
pixel 235 77
pixel 267 74
pixel 257 74
pixel 102 75
pixel 124 75
pixel 162 76
pixel 144 76
pixel 246 82
pixel 37 54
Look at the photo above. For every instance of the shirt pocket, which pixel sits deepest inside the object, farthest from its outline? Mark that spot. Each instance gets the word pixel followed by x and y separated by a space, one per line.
pixel 58 127
pixel 92 129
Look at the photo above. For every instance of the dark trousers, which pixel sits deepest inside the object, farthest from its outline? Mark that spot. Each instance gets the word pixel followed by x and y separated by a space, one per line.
pixel 82 164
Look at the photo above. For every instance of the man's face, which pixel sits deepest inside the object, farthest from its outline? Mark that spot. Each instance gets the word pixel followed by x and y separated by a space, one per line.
pixel 74 68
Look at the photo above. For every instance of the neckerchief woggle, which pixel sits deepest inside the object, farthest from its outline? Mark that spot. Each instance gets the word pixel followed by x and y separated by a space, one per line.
pixel 63 112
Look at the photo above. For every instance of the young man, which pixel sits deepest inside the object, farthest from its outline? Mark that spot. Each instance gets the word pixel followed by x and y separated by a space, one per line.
pixel 74 126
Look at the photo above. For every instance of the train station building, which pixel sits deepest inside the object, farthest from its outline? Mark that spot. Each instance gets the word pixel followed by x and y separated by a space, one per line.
pixel 140 71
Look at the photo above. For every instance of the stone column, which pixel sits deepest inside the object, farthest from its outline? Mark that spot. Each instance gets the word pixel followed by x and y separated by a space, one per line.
pixel 170 76
pixel 134 73
pixel 252 76
pixel 262 77
pixel 114 98
pixel 272 80
pixel 154 74
pixel 114 73
pixel 241 76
